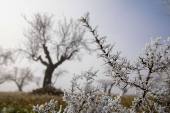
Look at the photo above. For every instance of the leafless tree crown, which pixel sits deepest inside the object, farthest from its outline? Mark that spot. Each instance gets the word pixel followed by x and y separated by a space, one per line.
pixel 65 41
pixel 21 76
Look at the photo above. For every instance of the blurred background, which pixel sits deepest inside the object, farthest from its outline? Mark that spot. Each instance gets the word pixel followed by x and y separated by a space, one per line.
pixel 129 23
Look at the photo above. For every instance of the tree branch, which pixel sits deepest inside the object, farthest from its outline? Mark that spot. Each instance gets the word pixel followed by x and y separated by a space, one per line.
pixel 42 61
pixel 47 54
pixel 72 53
pixel 62 59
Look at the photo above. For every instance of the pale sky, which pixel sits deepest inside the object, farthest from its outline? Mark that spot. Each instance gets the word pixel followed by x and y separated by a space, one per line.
pixel 129 23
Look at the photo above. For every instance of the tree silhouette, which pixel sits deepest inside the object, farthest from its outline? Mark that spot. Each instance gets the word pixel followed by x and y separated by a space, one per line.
pixel 43 42
pixel 21 76
pixel 5 56
pixel 5 59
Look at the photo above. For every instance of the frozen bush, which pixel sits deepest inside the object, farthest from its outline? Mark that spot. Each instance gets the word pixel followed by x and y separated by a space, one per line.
pixel 154 60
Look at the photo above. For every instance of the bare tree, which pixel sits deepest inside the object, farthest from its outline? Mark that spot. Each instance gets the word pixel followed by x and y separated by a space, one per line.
pixel 107 85
pixel 21 76
pixel 5 59
pixel 5 56
pixel 2 80
pixel 43 42
pixel 3 76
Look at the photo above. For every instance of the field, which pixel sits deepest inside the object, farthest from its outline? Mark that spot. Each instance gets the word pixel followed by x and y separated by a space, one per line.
pixel 23 102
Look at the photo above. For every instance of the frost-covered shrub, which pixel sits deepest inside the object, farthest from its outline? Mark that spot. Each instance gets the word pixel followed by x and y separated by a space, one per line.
pixel 47 107
pixel 86 100
pixel 153 61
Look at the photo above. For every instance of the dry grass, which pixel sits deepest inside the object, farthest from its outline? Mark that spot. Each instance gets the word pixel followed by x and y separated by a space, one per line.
pixel 25 100
pixel 127 100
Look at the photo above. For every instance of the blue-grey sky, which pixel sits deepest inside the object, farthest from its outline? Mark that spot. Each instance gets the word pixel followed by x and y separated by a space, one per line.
pixel 129 23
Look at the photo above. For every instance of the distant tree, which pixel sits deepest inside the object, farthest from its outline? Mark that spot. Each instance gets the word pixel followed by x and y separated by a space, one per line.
pixel 2 80
pixel 44 43
pixel 107 85
pixel 5 56
pixel 21 77
pixel 3 76
pixel 5 59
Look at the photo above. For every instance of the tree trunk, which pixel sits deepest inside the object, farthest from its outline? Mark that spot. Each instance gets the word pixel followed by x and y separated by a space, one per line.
pixel 19 86
pixel 105 88
pixel 48 75
pixel 109 91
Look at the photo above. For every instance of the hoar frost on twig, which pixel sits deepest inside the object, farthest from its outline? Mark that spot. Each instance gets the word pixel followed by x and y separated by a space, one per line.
pixel 154 60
